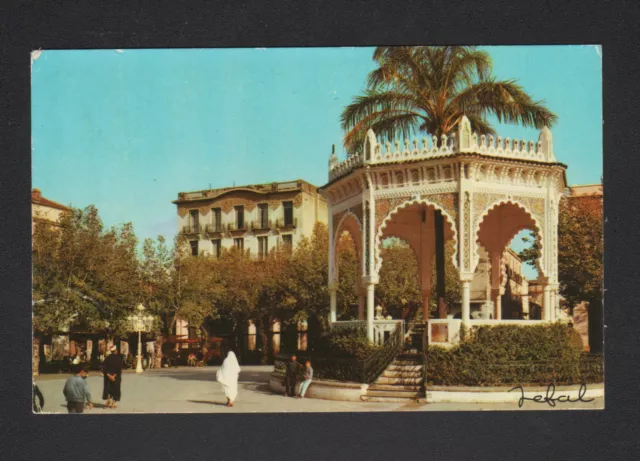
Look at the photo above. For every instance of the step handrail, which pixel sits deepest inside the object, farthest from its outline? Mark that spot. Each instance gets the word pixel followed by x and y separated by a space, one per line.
pixel 375 364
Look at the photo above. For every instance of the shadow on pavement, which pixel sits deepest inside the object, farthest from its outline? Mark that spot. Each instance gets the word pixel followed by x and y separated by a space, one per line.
pixel 208 402
pixel 260 388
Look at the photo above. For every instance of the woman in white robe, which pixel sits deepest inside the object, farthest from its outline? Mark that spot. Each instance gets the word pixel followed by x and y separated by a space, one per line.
pixel 227 376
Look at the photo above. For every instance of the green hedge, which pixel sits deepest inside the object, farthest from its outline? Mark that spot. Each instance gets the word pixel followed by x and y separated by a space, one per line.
pixel 345 343
pixel 511 355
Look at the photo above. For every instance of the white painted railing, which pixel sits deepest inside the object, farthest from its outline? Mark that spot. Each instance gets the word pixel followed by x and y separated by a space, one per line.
pixel 492 322
pixel 380 327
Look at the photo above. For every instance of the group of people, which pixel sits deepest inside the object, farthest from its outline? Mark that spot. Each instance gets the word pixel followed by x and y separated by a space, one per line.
pixel 76 389
pixel 291 377
pixel 78 396
pixel 228 374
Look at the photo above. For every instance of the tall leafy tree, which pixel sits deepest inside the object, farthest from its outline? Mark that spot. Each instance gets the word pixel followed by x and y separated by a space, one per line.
pixel 399 289
pixel 84 277
pixel 429 88
pixel 580 259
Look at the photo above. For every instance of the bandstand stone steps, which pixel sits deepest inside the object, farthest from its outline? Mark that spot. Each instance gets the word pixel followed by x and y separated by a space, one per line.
pixel 401 381
pixel 395 387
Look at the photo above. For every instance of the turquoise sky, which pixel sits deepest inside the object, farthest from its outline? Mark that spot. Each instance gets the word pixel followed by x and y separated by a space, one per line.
pixel 127 130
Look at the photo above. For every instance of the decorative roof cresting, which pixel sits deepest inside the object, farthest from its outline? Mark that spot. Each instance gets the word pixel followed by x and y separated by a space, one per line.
pixel 462 141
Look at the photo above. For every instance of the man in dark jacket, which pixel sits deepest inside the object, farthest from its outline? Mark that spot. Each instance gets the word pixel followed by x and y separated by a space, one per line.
pixel 291 377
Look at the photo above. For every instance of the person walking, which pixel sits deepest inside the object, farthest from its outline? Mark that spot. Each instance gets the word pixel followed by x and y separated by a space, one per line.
pixel 112 372
pixel 76 390
pixel 38 399
pixel 308 377
pixel 291 377
pixel 227 376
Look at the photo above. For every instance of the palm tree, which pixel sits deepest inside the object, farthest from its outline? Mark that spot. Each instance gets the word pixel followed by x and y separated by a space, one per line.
pixel 429 89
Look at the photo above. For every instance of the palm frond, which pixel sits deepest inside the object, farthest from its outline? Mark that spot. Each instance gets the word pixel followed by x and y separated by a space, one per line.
pixel 375 101
pixel 387 124
pixel 507 101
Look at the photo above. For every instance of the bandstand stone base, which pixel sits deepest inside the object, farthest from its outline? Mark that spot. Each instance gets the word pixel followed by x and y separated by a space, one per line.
pixel 327 390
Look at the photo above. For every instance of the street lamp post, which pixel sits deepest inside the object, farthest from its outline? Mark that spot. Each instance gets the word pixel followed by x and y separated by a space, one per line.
pixel 140 323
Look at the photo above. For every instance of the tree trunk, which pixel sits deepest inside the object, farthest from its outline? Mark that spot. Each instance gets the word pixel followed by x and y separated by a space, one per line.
pixel 261 329
pixel 35 363
pixel 157 350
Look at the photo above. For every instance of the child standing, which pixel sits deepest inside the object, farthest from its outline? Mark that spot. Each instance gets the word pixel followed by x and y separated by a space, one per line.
pixel 308 376
pixel 76 390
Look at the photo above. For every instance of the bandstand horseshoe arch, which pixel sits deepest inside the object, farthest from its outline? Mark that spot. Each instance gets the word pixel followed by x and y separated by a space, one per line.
pixel 472 180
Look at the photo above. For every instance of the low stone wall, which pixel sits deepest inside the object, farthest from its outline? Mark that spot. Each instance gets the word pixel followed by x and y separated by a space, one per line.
pixel 327 390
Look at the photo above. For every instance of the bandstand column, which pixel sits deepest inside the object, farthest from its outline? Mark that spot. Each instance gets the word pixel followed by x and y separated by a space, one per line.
pixel 547 303
pixel 525 299
pixel 370 310
pixel 496 289
pixel 333 285
pixel 465 297
pixel 466 304
pixel 425 304
pixel 332 301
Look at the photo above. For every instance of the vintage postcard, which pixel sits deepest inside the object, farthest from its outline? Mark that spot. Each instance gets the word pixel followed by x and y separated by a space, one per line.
pixel 411 228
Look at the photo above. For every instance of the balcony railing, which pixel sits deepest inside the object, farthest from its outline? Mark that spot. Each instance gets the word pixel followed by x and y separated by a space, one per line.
pixel 233 227
pixel 214 228
pixel 284 224
pixel 190 229
pixel 261 225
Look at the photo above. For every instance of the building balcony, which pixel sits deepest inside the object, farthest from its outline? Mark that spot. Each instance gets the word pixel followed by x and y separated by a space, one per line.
pixel 286 224
pixel 261 225
pixel 234 227
pixel 213 229
pixel 190 230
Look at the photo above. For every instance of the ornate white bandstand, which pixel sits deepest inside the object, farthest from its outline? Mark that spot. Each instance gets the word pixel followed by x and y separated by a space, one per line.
pixel 484 190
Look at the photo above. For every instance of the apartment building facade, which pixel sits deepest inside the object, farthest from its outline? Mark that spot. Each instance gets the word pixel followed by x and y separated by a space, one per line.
pixel 256 218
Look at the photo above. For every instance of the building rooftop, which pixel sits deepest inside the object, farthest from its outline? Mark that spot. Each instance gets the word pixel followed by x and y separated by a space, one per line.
pixel 38 199
pixel 580 190
pixel 266 188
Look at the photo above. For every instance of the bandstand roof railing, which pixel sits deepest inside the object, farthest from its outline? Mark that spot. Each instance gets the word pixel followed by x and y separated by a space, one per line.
pixel 430 147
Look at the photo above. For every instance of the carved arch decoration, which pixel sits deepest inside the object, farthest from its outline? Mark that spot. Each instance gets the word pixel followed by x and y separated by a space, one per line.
pixel 449 219
pixel 523 203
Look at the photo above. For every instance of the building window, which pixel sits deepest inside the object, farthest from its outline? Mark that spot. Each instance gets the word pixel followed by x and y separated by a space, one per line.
pixel 194 247
pixel 251 336
pixel 288 213
pixel 263 215
pixel 239 243
pixel 193 220
pixel 303 335
pixel 263 247
pixel 239 217
pixel 216 219
pixel 216 247
pixel 287 241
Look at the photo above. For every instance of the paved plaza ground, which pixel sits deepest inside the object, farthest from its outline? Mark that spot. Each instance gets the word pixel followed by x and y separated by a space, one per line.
pixel 194 390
